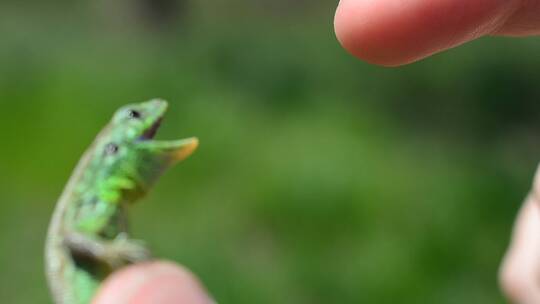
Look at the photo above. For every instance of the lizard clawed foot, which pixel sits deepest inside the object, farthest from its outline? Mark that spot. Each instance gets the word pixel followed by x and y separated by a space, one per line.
pixel 124 250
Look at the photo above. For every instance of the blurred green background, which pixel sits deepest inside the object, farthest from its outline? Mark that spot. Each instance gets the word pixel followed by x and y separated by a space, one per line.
pixel 319 179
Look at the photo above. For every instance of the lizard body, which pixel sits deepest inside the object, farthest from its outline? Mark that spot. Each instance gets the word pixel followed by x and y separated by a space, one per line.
pixel 87 237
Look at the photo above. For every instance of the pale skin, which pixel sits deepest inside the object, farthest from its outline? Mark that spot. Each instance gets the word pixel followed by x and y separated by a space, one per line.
pixel 388 33
pixel 152 282
pixel 397 32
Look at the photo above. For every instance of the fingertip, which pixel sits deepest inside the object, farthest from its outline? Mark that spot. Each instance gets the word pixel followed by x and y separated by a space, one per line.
pixel 356 31
pixel 152 282
pixel 381 32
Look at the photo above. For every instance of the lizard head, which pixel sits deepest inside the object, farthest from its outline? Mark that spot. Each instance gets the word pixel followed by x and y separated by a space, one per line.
pixel 128 159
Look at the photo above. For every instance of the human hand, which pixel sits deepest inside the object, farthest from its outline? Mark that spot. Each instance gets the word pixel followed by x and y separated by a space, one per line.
pixel 396 32
pixel 152 282
pixel 521 266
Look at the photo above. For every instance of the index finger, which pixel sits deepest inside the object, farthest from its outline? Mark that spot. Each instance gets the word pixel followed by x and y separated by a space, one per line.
pixel 395 32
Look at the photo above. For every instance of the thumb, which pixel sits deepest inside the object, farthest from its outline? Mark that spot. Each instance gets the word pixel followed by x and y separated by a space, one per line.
pixel 152 282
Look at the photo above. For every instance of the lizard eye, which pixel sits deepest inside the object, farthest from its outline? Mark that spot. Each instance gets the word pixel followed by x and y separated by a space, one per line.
pixel 133 114
pixel 111 149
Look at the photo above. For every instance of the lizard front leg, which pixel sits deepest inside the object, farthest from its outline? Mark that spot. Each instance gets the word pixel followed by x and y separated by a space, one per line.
pixel 115 253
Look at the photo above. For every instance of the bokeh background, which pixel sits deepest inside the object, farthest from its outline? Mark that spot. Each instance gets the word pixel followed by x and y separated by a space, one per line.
pixel 319 179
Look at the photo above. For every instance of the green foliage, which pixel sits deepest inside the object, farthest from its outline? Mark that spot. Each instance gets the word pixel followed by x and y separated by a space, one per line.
pixel 319 179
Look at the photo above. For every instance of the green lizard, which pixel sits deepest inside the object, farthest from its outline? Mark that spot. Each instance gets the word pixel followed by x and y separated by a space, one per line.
pixel 87 237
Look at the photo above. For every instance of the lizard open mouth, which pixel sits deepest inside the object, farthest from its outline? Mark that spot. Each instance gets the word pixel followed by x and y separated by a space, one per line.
pixel 153 112
pixel 152 130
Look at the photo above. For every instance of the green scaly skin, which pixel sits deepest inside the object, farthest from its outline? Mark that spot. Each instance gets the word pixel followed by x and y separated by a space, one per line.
pixel 87 237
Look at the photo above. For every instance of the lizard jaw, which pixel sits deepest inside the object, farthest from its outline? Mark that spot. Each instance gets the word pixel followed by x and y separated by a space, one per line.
pixel 175 150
